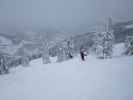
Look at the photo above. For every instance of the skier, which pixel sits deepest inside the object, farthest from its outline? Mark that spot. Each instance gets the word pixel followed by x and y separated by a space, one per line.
pixel 82 53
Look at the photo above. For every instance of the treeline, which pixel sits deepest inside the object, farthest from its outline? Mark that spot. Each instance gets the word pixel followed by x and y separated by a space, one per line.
pixel 101 44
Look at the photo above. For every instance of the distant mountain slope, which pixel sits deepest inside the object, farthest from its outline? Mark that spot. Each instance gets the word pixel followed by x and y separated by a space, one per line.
pixel 5 41
pixel 15 38
pixel 122 29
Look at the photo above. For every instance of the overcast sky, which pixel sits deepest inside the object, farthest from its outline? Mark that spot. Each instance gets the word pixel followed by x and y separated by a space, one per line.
pixel 64 15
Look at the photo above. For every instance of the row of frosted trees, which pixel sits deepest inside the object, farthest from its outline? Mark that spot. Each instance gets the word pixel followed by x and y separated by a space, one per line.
pixel 65 50
pixel 103 48
pixel 104 45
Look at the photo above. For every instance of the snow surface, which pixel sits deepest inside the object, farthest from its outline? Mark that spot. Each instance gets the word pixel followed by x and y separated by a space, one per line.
pixel 94 79
pixel 119 50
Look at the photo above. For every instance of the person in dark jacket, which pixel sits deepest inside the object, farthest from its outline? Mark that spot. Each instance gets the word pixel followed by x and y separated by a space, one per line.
pixel 82 54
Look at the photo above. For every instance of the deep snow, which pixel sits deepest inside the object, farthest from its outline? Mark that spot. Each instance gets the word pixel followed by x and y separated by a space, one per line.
pixel 94 79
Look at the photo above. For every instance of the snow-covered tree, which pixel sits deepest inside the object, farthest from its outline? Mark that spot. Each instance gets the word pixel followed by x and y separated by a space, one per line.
pixel 23 53
pixel 3 65
pixel 25 58
pixel 65 50
pixel 45 54
pixel 45 50
pixel 104 44
pixel 25 61
pixel 68 47
pixel 129 45
pixel 60 54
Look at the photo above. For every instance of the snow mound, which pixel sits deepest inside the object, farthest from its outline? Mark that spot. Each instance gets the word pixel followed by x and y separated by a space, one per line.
pixel 119 50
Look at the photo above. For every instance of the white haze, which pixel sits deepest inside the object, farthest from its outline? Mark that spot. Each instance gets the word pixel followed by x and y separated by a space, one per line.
pixel 66 16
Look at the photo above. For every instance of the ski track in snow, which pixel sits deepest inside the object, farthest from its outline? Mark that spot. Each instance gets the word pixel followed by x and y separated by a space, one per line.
pixel 94 79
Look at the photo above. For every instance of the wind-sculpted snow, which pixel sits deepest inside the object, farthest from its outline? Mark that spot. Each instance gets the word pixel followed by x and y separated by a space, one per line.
pixel 94 79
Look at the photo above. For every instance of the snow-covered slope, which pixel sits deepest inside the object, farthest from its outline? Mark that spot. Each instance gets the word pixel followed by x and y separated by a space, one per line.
pixel 93 79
